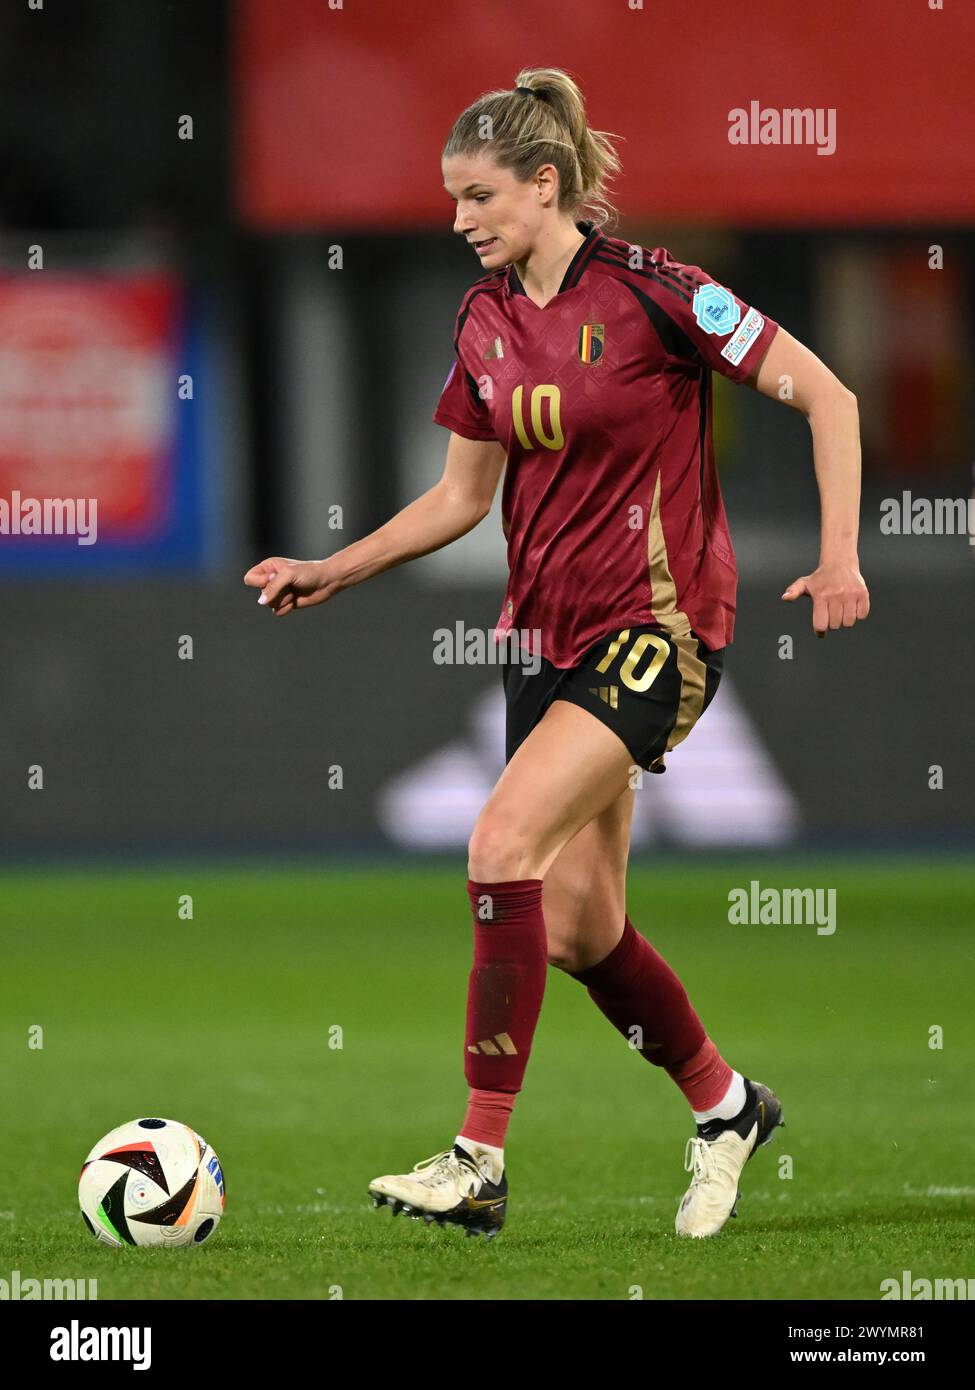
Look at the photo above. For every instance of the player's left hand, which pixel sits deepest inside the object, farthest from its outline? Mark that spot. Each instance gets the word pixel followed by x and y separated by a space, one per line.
pixel 838 593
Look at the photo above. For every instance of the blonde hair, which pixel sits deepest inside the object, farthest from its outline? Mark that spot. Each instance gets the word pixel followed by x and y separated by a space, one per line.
pixel 522 130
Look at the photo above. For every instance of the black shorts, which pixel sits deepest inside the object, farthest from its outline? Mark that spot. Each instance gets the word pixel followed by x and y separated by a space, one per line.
pixel 645 684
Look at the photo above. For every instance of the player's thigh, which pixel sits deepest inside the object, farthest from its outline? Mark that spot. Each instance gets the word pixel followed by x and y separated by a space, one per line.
pixel 584 892
pixel 570 768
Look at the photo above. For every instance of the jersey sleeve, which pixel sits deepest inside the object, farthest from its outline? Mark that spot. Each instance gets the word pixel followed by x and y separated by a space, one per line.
pixel 461 408
pixel 713 326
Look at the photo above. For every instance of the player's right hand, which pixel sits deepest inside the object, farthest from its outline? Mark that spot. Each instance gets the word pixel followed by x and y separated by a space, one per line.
pixel 288 584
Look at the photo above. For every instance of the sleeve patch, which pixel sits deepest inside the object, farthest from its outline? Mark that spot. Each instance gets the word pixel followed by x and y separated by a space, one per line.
pixel 715 309
pixel 736 347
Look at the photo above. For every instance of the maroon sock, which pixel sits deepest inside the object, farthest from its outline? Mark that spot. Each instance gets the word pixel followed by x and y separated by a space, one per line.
pixel 704 1078
pixel 642 997
pixel 488 1113
pixel 506 985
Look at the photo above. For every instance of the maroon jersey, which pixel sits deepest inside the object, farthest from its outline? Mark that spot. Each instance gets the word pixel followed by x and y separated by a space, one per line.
pixel 602 400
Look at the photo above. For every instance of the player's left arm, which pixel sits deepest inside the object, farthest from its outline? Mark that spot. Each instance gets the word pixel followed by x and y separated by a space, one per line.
pixel 839 595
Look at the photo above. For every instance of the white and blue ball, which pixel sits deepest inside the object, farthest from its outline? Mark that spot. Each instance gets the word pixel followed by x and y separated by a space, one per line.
pixel 152 1183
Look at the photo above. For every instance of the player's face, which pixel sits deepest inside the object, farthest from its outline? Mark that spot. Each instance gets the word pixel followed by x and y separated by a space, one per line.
pixel 498 216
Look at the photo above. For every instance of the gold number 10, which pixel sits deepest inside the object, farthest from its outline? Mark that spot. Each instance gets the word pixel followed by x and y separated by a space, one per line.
pixel 646 639
pixel 556 440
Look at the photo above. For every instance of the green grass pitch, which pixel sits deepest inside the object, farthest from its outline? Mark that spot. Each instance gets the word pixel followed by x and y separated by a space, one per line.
pixel 225 1022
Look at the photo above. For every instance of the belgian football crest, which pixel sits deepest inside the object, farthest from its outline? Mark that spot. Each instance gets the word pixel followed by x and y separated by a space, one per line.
pixel 592 340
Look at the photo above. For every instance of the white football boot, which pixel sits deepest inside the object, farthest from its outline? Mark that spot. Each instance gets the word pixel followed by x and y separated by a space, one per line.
pixel 449 1187
pixel 716 1157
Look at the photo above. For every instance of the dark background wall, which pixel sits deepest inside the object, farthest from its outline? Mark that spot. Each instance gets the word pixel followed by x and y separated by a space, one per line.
pixel 141 750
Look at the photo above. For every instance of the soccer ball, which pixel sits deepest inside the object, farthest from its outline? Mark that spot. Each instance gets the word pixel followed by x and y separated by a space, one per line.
pixel 151 1182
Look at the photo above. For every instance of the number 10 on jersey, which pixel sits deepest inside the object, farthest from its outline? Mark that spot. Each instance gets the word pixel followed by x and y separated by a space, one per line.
pixel 554 439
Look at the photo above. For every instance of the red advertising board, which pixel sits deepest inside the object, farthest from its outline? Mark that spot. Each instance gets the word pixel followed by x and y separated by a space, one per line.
pixel 86 392
pixel 97 420
pixel 342 112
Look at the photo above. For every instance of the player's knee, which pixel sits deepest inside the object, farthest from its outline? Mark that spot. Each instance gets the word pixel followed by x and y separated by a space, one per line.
pixel 579 936
pixel 498 853
pixel 564 955
pixel 568 940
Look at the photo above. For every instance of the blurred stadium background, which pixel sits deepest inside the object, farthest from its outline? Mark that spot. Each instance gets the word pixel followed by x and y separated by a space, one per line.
pixel 236 343
pixel 294 261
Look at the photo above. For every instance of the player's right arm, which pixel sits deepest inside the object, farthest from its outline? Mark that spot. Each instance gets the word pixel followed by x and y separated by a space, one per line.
pixel 452 507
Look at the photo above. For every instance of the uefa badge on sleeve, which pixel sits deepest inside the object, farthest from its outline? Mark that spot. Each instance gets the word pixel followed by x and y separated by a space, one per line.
pixel 715 309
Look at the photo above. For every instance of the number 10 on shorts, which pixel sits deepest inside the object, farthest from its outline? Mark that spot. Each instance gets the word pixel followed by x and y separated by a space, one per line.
pixel 633 656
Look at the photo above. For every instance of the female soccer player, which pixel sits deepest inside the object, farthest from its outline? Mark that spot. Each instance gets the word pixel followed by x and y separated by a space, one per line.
pixel 584 364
